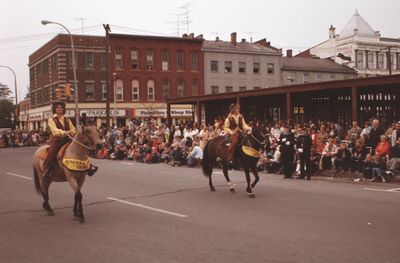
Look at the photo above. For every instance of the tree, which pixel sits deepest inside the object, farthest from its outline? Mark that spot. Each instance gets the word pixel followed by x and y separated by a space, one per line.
pixel 6 113
pixel 5 92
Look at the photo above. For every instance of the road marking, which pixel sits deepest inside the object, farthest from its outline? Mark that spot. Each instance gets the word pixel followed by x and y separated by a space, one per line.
pixel 147 207
pixel 395 190
pixel 18 175
pixel 127 163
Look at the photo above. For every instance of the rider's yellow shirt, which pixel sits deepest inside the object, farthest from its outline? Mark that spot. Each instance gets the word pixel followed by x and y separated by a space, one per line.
pixel 59 132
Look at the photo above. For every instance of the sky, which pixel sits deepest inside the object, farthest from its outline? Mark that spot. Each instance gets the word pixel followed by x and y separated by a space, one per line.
pixel 295 24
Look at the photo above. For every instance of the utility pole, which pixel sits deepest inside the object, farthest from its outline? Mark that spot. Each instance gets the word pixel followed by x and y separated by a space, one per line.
pixel 390 61
pixel 108 30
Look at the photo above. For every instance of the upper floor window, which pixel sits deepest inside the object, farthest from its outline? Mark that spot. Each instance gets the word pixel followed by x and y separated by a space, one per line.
pixel 166 90
pixel 134 59
pixel 89 91
pixel 89 61
pixel 70 61
pixel 119 89
pixel 118 58
pixel 149 59
pixel 306 77
pixel 180 62
pixel 371 60
pixel 214 89
pixel 319 77
pixel 360 59
pixel 195 87
pixel 256 68
pixel 242 88
pixel 150 90
pixel 135 90
pixel 332 76
pixel 180 88
pixel 164 60
pixel 228 66
pixel 214 66
pixel 195 60
pixel 242 67
pixel 381 61
pixel 54 62
pixel 228 89
pixel 270 68
pixel 103 91
pixel 103 61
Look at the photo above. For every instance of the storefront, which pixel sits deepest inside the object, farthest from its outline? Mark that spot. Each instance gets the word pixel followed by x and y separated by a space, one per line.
pixel 36 121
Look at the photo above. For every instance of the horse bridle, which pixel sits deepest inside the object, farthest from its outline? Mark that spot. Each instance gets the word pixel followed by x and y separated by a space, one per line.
pixel 83 133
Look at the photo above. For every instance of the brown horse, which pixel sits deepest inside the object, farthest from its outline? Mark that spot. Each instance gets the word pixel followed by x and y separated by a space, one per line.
pixel 86 137
pixel 247 158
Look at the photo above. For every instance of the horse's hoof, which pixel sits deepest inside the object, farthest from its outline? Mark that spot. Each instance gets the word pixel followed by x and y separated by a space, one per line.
pixel 252 195
pixel 50 213
pixel 212 189
pixel 232 190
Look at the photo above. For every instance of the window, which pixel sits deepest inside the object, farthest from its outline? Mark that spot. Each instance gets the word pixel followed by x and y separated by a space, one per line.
pixel 180 88
pixel 103 60
pixel 149 59
pixel 228 89
pixel 228 66
pixel 306 77
pixel 214 66
pixel 164 60
pixel 54 62
pixel 398 61
pixel 392 60
pixel 256 68
pixel 332 76
pixel 70 60
pixel 195 87
pixel 319 77
pixel 103 91
pixel 257 87
pixel 242 67
pixel 180 63
pixel 89 91
pixel 166 90
pixel 291 79
pixel 360 59
pixel 195 60
pixel 270 68
pixel 381 61
pixel 134 59
pixel 242 88
pixel 135 90
pixel 118 58
pixel 119 89
pixel 371 60
pixel 150 90
pixel 214 89
pixel 89 61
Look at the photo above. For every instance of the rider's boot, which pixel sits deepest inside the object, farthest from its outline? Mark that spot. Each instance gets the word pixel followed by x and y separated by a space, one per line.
pixel 92 170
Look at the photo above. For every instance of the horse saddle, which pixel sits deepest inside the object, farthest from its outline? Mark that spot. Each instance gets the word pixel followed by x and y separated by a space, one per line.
pixel 44 154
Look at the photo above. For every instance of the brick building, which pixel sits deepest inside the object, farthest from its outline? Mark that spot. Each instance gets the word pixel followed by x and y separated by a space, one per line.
pixel 146 70
pixel 51 67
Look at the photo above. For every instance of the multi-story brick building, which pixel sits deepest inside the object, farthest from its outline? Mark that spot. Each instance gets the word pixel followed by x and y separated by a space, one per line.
pixel 146 70
pixel 51 67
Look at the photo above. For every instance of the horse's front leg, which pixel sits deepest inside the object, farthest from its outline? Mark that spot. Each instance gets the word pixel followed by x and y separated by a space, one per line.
pixel 257 177
pixel 228 180
pixel 45 194
pixel 248 189
pixel 78 210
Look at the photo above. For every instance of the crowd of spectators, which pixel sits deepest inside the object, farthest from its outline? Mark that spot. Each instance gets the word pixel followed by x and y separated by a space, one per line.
pixel 371 152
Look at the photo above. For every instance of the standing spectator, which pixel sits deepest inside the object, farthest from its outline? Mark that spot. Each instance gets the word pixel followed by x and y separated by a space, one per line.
pixel 374 135
pixel 354 133
pixel 396 134
pixel 286 141
pixel 304 149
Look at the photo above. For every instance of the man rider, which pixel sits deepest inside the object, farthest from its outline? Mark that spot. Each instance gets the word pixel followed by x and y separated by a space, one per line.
pixel 234 126
pixel 60 129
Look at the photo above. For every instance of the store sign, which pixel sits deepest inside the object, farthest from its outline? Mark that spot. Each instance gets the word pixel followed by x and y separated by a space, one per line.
pixel 23 117
pixel 162 113
pixel 102 113
pixel 36 116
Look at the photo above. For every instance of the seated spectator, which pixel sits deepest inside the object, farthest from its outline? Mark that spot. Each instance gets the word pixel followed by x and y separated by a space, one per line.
pixel 342 160
pixel 358 155
pixel 195 156
pixel 328 154
pixel 394 161
pixel 383 147
pixel 378 170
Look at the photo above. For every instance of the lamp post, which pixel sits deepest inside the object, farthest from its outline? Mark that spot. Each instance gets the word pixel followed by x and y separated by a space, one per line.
pixel 45 22
pixel 16 94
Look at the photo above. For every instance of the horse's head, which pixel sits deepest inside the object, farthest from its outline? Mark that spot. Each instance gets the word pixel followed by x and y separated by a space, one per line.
pixel 258 138
pixel 90 135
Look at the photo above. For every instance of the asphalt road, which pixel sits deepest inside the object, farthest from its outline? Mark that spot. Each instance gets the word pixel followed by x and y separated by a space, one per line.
pixel 157 213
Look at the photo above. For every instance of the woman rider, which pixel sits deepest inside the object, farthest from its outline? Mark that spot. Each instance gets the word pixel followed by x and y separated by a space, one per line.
pixel 234 126
pixel 60 128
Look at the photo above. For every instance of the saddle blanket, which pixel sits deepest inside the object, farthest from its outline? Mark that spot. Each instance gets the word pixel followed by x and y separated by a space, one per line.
pixel 43 154
pixel 76 165
pixel 250 151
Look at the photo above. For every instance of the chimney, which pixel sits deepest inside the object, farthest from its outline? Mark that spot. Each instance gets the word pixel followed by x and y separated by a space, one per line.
pixel 243 40
pixel 191 35
pixel 262 42
pixel 269 44
pixel 185 35
pixel 289 53
pixel 332 33
pixel 217 39
pixel 233 38
pixel 199 36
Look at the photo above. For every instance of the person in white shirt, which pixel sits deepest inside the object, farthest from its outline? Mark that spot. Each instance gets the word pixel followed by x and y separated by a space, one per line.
pixel 195 155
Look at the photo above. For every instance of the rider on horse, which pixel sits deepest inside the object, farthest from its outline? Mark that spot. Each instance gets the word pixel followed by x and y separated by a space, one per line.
pixel 60 128
pixel 235 125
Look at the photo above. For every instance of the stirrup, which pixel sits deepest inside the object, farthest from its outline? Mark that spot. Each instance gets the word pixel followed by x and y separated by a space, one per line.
pixel 92 170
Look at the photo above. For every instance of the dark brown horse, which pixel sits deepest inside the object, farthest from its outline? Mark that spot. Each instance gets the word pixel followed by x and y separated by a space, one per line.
pixel 247 157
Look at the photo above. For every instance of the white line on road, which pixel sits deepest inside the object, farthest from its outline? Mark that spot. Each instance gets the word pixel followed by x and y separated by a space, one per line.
pixel 395 190
pixel 147 207
pixel 127 163
pixel 18 175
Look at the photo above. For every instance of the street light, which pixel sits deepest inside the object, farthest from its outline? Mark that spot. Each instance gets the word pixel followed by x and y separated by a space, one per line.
pixel 16 94
pixel 45 22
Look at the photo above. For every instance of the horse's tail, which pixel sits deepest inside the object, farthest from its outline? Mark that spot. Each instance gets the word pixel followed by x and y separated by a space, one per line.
pixel 206 164
pixel 36 180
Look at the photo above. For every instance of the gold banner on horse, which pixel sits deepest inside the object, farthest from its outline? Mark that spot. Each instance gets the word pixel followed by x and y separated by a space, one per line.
pixel 76 165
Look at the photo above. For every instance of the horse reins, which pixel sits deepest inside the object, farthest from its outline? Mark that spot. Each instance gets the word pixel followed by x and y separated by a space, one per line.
pixel 81 144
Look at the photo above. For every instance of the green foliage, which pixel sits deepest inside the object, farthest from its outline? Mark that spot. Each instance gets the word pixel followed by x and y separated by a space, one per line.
pixel 6 113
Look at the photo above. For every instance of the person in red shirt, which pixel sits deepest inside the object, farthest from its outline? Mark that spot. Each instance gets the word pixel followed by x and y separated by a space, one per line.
pixel 383 148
